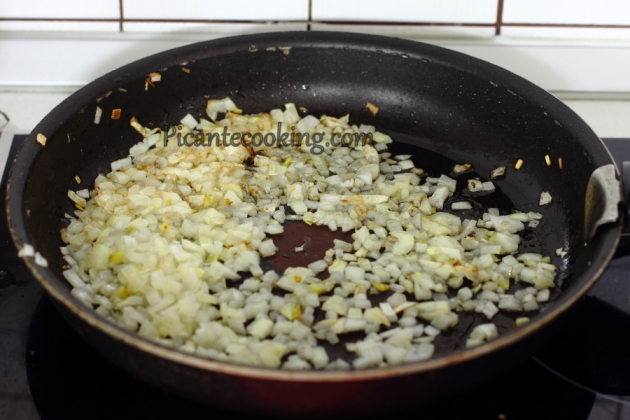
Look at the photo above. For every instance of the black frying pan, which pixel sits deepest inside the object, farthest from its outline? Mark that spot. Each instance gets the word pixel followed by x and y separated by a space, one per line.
pixel 443 106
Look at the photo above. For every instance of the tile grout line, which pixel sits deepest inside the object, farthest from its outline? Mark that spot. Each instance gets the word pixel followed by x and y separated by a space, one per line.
pixel 122 16
pixel 499 21
pixel 5 19
pixel 310 14
pixel 497 25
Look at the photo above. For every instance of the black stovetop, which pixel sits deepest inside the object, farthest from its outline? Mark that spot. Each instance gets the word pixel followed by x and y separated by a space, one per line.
pixel 47 371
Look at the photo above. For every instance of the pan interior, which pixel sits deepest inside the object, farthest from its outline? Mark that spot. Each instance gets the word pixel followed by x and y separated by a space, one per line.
pixel 442 107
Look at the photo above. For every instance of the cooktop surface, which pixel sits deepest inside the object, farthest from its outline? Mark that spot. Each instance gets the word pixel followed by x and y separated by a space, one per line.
pixel 48 372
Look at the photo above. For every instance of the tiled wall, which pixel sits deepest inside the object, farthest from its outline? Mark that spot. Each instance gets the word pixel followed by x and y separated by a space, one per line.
pixel 543 19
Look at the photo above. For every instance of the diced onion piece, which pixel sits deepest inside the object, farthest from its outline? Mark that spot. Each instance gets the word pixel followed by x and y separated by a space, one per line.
pixel 388 311
pixel 404 244
pixel 291 115
pixel 277 115
pixel 431 331
pixel 474 185
pixel 27 251
pixel 519 164
pixel 488 186
pixel 216 106
pixel 139 128
pixel 484 332
pixel 561 252
pixel 97 115
pixel 372 108
pixel 543 295
pixel 521 217
pixel 79 201
pixel 458 169
pixel 267 248
pixel 121 163
pixel 155 77
pixel 521 321
pixel 406 164
pixel 381 138
pixel 545 198
pixel 498 172
pixel 447 182
pixel 189 121
pixel 461 205
pixel 306 124
pixel 41 139
pixel 439 197
pixel 40 260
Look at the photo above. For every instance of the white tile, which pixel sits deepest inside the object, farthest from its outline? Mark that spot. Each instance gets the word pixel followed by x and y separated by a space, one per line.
pixel 217 28
pixel 555 66
pixel 600 12
pixel 26 109
pixel 566 34
pixel 607 118
pixel 46 25
pixel 411 32
pixel 216 9
pixel 70 61
pixel 101 9
pixel 449 11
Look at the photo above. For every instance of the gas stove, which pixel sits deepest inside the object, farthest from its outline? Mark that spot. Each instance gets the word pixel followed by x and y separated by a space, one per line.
pixel 48 372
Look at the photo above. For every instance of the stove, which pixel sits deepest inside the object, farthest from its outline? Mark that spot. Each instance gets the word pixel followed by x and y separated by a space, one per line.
pixel 48 372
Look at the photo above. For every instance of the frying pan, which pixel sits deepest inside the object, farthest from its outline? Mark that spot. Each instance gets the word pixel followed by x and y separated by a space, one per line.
pixel 440 105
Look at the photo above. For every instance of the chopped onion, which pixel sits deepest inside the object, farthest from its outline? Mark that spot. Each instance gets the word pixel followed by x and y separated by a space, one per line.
pixel 189 121
pixel 27 251
pixel 481 333
pixel 121 163
pixel 41 139
pixel 488 186
pixel 521 321
pixel 97 115
pixel 474 185
pixel 498 172
pixel 461 205
pixel 40 260
pixel 545 198
pixel 372 108
pixel 458 169
pixel 170 244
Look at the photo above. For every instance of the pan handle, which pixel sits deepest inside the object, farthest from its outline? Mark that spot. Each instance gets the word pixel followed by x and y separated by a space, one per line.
pixel 603 195
pixel 624 244
pixel 610 289
pixel 625 182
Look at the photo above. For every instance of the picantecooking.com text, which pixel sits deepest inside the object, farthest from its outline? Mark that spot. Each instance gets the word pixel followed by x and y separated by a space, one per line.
pixel 279 138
